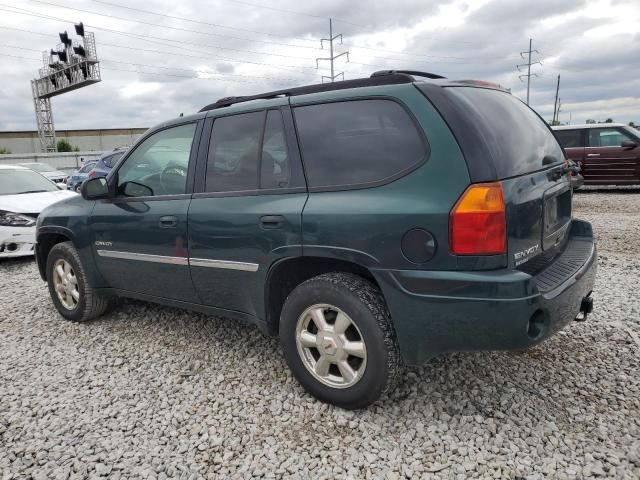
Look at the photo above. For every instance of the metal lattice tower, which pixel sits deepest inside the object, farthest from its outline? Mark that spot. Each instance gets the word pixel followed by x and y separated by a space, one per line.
pixel 76 66
pixel 331 56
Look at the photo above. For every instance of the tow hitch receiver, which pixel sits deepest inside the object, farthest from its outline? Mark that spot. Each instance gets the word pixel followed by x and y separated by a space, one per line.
pixel 586 307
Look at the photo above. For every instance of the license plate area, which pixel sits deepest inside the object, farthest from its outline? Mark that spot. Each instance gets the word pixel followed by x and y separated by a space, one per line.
pixel 556 216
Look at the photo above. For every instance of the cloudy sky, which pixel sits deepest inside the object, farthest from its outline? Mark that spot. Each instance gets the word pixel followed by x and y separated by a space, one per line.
pixel 163 57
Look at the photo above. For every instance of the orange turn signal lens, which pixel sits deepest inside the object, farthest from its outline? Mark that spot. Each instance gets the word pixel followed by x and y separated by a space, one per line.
pixel 477 223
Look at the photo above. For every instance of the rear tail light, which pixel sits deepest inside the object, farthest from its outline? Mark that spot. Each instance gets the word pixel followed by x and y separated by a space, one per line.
pixel 477 223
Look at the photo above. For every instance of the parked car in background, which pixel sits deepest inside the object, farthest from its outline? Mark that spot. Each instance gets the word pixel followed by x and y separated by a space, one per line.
pixel 607 153
pixel 23 195
pixel 77 177
pixel 105 163
pixel 369 223
pixel 48 171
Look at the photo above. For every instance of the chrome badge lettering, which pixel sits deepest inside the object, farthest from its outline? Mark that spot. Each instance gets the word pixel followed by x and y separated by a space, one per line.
pixel 99 243
pixel 524 255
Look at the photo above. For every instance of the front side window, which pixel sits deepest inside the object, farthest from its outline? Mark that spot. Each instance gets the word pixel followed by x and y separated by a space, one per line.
pixel 607 137
pixel 158 166
pixel 357 142
pixel 569 138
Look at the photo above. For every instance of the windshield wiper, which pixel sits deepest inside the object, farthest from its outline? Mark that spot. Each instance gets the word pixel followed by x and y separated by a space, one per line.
pixel 32 191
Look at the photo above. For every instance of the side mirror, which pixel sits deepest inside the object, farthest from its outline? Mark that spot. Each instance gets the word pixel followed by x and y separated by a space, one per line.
pixel 95 189
pixel 630 144
pixel 134 189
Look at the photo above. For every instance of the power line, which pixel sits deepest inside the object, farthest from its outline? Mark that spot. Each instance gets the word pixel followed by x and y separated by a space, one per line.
pixel 17 47
pixel 22 11
pixel 288 68
pixel 142 22
pixel 200 22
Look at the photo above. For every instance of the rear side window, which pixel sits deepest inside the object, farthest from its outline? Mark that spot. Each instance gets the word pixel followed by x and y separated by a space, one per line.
pixel 249 151
pixel 234 152
pixel 357 142
pixel 569 138
pixel 518 141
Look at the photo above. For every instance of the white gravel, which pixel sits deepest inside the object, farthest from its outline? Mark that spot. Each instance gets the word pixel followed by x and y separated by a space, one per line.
pixel 153 392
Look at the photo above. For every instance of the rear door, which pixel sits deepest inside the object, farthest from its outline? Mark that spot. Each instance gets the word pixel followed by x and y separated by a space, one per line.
pixel 607 162
pixel 247 211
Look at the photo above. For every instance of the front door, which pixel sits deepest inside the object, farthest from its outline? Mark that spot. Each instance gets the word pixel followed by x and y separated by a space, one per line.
pixel 249 210
pixel 140 235
pixel 609 160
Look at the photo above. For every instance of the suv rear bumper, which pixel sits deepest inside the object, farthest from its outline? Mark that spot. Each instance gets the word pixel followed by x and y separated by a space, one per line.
pixel 443 311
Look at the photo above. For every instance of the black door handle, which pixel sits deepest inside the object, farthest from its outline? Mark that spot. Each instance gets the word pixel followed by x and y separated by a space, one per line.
pixel 168 221
pixel 272 222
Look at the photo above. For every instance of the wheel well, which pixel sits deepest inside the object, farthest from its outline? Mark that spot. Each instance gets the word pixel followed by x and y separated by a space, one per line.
pixel 46 242
pixel 288 274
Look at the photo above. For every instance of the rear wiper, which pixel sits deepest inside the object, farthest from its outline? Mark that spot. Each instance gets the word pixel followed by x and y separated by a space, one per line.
pixel 33 191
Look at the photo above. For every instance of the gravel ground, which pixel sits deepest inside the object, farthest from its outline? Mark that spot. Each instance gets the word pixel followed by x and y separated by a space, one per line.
pixel 153 392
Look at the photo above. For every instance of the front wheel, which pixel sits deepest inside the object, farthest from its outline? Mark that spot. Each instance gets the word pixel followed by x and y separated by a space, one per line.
pixel 338 340
pixel 72 295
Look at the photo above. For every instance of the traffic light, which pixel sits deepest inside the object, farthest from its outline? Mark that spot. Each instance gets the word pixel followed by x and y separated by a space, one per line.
pixel 79 29
pixel 53 81
pixel 84 69
pixel 67 73
pixel 64 38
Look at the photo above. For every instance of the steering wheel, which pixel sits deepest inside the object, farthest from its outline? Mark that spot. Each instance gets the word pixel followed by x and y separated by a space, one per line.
pixel 170 175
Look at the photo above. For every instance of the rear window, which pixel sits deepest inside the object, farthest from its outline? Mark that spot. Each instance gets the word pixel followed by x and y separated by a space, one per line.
pixel 569 138
pixel 357 142
pixel 518 140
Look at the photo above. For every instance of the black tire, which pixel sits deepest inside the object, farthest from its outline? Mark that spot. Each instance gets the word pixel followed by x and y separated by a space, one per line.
pixel 364 303
pixel 91 304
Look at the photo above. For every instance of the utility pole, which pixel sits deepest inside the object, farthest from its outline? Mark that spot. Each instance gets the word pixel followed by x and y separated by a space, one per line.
pixel 331 56
pixel 556 110
pixel 528 65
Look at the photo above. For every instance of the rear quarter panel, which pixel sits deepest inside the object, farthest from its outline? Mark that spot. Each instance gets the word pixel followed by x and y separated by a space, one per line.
pixel 366 225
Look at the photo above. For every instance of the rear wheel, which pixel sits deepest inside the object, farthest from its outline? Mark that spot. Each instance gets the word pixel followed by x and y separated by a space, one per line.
pixel 338 340
pixel 73 296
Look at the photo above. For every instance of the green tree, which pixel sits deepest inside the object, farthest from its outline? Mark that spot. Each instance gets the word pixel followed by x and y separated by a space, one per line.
pixel 4 150
pixel 590 120
pixel 609 120
pixel 64 146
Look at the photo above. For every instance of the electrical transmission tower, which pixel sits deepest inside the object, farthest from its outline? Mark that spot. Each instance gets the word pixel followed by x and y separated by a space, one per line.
pixel 331 56
pixel 528 65
pixel 76 65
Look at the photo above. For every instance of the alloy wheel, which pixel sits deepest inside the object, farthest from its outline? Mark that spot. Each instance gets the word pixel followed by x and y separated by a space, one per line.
pixel 331 346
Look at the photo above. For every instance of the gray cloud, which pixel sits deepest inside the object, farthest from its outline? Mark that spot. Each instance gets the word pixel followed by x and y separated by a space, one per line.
pixel 599 72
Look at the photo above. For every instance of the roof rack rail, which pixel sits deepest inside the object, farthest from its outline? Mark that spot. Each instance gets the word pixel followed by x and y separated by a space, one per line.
pixel 409 73
pixel 389 77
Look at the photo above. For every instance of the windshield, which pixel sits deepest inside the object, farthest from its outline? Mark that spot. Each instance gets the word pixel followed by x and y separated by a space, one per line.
pixel 14 182
pixel 39 167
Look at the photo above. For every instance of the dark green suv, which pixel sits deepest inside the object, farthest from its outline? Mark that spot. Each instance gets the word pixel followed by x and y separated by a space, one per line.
pixel 369 223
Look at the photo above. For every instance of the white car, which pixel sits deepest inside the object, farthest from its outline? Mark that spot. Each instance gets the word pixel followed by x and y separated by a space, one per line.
pixel 52 173
pixel 23 195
